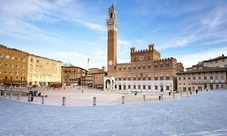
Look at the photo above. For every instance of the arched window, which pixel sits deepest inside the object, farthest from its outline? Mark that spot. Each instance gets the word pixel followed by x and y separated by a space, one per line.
pixel 149 86
pixel 156 87
pixel 139 87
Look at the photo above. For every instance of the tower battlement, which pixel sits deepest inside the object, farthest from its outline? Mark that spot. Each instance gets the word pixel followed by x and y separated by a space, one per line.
pixel 163 59
pixel 127 63
pixel 150 48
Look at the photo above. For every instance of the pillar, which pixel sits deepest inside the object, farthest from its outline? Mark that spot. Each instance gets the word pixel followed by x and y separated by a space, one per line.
pixel 29 97
pixel 63 100
pixel 18 96
pixel 42 99
pixel 11 95
pixel 123 99
pixel 94 101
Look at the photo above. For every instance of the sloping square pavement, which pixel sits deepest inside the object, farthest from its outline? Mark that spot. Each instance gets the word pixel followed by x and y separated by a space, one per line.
pixel 203 114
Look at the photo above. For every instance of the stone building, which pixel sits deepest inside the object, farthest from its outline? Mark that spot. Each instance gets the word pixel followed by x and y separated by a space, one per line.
pixel 72 75
pixel 200 77
pixel 95 77
pixel 13 66
pixel 208 74
pixel 146 71
pixel 99 78
pixel 220 61
pixel 43 71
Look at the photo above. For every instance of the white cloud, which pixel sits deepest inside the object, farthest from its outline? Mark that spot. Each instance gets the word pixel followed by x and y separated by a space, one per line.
pixel 123 42
pixel 219 41
pixel 192 59
pixel 93 26
pixel 139 41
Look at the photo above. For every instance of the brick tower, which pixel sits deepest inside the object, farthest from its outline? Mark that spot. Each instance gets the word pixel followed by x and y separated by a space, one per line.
pixel 112 26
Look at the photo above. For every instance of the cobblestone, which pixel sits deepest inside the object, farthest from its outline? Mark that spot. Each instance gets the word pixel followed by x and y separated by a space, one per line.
pixel 196 115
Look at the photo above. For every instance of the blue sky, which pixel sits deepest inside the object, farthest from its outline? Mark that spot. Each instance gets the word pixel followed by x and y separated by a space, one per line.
pixel 74 30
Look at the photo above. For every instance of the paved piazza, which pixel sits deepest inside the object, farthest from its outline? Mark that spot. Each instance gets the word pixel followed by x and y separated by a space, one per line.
pixel 203 114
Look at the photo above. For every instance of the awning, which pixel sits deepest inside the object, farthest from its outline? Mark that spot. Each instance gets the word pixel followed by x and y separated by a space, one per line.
pixel 14 82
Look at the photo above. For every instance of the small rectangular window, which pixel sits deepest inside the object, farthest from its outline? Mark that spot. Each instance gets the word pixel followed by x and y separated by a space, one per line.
pixel 134 78
pixel 149 67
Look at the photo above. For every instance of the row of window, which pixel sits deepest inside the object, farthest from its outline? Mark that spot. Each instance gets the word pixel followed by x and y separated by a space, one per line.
pixel 222 81
pixel 144 67
pixel 12 57
pixel 41 76
pixel 223 60
pixel 144 78
pixel 39 61
pixel 11 78
pixel 11 73
pixel 200 78
pixel 12 65
pixel 204 73
pixel 156 87
pixel 73 71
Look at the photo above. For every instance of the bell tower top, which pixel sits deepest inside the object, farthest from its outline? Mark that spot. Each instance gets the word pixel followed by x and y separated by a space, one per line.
pixel 111 22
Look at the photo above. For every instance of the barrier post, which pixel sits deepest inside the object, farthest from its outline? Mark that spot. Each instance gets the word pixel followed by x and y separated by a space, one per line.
pixel 11 95
pixel 123 99
pixel 63 101
pixel 144 98
pixel 29 97
pixel 18 96
pixel 94 101
pixel 42 99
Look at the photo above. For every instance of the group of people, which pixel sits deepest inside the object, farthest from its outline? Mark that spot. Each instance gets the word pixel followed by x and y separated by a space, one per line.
pixel 34 93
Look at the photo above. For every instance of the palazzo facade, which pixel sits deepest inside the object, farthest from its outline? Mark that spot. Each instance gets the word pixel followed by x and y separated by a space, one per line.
pixel 13 66
pixel 146 71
